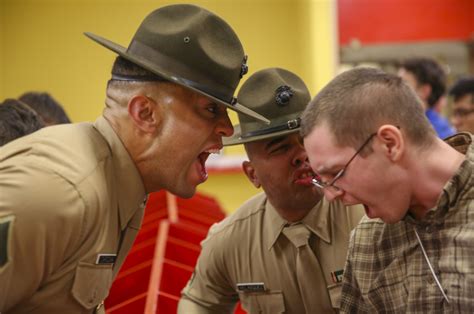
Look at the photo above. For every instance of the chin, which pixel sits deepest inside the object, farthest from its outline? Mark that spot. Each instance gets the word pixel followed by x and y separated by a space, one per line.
pixel 184 192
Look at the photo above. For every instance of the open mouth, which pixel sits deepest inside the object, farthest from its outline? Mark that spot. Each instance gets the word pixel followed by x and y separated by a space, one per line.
pixel 304 177
pixel 201 165
pixel 367 211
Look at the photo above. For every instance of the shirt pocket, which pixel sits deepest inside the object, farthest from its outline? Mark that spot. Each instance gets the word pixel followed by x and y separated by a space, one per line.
pixel 389 289
pixel 335 295
pixel 91 284
pixel 270 302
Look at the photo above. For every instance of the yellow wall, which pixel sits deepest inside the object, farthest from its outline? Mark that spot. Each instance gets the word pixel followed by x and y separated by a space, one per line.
pixel 42 47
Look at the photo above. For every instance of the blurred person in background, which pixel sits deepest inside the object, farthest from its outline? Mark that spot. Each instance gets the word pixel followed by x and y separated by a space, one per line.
pixel 463 104
pixel 428 80
pixel 46 106
pixel 17 120
pixel 256 254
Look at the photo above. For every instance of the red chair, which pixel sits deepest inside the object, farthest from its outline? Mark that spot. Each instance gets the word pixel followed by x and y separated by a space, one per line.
pixel 164 254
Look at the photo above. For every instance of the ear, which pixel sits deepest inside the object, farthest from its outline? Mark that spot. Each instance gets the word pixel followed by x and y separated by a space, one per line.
pixel 250 173
pixel 143 112
pixel 393 142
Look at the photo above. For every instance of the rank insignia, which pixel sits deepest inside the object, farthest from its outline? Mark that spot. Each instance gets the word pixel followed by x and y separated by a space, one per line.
pixel 6 228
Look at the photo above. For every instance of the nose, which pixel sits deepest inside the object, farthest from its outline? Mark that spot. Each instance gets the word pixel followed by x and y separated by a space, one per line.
pixel 331 193
pixel 300 156
pixel 224 126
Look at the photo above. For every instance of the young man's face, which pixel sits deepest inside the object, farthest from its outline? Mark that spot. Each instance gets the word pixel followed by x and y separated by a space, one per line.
pixel 280 166
pixel 463 114
pixel 192 127
pixel 371 179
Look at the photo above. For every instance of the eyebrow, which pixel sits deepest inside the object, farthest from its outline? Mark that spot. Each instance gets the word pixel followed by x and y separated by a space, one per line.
pixel 274 142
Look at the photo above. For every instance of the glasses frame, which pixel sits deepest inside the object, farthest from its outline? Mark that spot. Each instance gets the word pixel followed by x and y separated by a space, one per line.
pixel 323 185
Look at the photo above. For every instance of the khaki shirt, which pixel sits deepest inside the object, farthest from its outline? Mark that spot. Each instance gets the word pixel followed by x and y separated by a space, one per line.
pixel 386 271
pixel 67 194
pixel 248 247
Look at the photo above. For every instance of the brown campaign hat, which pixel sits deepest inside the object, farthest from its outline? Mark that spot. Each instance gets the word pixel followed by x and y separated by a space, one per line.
pixel 279 95
pixel 192 47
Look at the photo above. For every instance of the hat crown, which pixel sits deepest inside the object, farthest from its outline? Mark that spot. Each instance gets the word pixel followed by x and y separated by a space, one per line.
pixel 192 44
pixel 276 93
pixel 192 47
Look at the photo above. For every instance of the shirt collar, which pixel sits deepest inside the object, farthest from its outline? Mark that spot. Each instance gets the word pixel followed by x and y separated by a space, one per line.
pixel 462 142
pixel 317 220
pixel 130 189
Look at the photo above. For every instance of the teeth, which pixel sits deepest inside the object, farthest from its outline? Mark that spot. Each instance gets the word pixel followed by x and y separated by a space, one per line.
pixel 307 174
pixel 213 151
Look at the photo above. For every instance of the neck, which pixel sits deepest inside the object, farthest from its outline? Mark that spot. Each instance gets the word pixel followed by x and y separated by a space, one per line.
pixel 137 149
pixel 433 169
pixel 293 213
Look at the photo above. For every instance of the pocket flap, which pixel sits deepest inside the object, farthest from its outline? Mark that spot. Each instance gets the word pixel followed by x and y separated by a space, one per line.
pixel 266 302
pixel 91 284
pixel 335 295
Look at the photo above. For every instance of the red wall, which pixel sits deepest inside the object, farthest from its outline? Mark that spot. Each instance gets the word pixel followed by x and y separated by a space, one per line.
pixel 392 21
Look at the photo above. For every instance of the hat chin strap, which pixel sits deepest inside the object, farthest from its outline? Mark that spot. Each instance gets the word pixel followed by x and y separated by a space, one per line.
pixel 289 125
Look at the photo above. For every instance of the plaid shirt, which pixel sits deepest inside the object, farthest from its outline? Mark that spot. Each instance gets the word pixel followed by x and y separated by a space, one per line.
pixel 386 270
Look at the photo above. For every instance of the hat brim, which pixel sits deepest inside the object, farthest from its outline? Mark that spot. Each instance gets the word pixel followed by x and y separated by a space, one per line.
pixel 237 138
pixel 122 51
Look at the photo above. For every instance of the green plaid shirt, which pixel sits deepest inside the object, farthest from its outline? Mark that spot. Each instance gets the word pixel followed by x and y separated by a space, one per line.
pixel 386 271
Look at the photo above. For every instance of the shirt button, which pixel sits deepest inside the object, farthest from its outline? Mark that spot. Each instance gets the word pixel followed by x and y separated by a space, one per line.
pixel 429 229
pixel 429 279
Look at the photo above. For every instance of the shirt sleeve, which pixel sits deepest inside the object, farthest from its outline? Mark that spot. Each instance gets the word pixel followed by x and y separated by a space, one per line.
pixel 209 289
pixel 42 229
pixel 351 299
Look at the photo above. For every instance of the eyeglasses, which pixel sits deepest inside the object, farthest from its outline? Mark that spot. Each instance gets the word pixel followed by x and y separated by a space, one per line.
pixel 323 185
